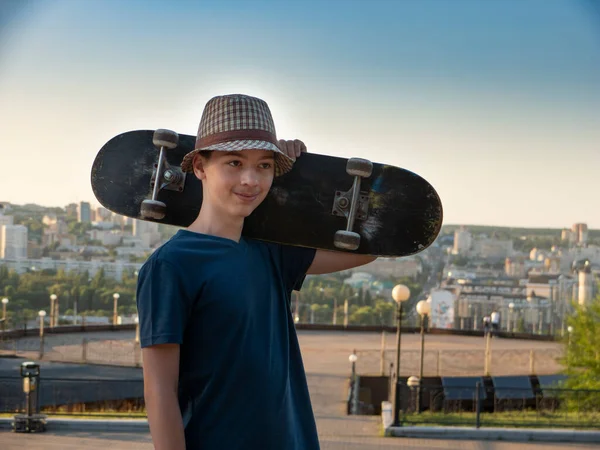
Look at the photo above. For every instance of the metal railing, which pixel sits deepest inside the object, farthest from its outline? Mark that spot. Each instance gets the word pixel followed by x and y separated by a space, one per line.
pixel 486 406
pixel 64 348
pixel 98 397
pixel 462 362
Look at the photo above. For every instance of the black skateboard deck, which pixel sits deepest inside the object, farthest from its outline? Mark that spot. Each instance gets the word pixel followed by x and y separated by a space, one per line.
pixel 393 212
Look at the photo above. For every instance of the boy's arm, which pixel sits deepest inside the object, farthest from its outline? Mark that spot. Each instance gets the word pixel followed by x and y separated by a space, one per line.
pixel 324 261
pixel 329 262
pixel 161 371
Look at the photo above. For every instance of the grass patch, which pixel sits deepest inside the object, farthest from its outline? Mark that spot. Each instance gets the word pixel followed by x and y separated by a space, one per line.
pixel 510 419
pixel 89 415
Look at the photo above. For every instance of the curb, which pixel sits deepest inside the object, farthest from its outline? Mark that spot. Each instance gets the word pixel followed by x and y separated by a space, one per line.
pixel 496 434
pixel 123 425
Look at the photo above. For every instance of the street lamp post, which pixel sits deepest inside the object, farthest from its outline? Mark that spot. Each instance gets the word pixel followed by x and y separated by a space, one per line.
pixel 4 303
pixel 423 309
pixel 413 383
pixel 137 329
pixel 297 307
pixel 352 358
pixel 346 309
pixel 400 294
pixel 511 311
pixel 334 311
pixel 115 304
pixel 569 354
pixel 42 314
pixel 53 298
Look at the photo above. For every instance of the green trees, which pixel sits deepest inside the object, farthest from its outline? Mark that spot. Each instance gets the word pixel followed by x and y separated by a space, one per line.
pixel 321 295
pixel 582 343
pixel 30 292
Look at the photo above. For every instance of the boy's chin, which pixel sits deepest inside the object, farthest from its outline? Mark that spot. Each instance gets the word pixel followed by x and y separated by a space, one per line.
pixel 245 212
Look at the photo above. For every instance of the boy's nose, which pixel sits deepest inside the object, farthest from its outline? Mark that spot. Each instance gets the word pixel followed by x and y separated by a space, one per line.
pixel 250 177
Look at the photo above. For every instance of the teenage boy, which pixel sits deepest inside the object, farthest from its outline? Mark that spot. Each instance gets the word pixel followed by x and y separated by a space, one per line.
pixel 222 365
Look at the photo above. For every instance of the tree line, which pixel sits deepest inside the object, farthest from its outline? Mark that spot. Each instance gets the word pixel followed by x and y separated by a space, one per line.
pixel 30 292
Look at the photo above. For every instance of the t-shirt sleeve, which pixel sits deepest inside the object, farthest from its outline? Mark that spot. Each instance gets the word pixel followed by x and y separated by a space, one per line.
pixel 295 262
pixel 162 303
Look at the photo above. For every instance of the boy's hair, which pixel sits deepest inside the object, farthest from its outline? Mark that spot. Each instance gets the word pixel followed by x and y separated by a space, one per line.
pixel 205 154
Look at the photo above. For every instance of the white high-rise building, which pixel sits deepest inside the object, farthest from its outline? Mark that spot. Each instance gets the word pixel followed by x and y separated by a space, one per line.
pixel 4 220
pixel 147 232
pixel 580 230
pixel 586 285
pixel 13 242
pixel 462 242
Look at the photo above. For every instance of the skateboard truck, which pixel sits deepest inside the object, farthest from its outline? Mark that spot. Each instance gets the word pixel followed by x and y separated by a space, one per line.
pixel 358 202
pixel 164 177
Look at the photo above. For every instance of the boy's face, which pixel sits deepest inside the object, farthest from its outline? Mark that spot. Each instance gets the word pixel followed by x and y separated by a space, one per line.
pixel 235 183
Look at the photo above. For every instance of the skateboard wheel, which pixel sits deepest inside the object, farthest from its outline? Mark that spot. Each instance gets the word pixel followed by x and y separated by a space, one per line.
pixel 358 167
pixel 347 240
pixel 165 138
pixel 153 209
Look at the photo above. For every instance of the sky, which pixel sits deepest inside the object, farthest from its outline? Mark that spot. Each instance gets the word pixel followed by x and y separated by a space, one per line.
pixel 495 103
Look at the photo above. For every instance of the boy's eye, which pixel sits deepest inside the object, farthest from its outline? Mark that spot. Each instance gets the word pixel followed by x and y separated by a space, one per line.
pixel 265 165
pixel 235 163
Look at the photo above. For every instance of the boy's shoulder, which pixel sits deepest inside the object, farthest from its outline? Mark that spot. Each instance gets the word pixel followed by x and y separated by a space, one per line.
pixel 175 250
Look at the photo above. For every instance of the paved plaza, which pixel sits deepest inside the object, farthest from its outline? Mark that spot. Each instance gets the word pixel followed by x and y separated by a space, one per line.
pixel 326 361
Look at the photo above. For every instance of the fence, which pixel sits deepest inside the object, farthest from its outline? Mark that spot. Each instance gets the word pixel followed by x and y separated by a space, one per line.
pixel 479 405
pixel 461 362
pixel 96 397
pixel 63 348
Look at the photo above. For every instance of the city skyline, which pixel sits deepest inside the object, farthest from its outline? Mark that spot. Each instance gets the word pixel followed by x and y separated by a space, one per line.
pixel 567 225
pixel 494 104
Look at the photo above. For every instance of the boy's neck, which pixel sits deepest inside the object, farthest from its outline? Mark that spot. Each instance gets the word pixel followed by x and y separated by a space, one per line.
pixel 209 223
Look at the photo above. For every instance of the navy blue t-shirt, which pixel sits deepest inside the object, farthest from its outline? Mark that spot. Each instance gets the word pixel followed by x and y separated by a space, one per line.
pixel 242 383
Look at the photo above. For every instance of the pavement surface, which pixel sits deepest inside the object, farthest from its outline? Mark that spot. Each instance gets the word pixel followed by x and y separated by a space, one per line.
pixel 137 441
pixel 326 362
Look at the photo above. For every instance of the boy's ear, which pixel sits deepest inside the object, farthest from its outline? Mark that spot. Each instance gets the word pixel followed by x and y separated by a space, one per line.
pixel 198 165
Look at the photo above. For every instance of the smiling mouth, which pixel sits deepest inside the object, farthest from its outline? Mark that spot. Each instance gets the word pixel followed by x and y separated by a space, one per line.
pixel 247 197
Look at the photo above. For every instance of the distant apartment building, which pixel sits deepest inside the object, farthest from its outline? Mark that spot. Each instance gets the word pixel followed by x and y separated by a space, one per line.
pixel 72 210
pixel 462 242
pixel 590 252
pixel 107 237
pixel 580 230
pixel 103 214
pixel 5 220
pixel 84 212
pixel 55 231
pixel 13 242
pixel 393 267
pixel 114 270
pixel 515 267
pixel 578 234
pixel 492 248
pixel 542 284
pixel 147 232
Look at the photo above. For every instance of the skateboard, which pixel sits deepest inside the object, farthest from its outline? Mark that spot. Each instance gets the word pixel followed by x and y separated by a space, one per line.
pixel 324 202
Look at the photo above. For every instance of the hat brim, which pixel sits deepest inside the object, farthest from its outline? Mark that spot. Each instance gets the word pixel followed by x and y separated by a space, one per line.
pixel 283 163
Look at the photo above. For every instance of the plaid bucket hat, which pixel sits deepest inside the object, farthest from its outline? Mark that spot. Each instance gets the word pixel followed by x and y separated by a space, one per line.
pixel 237 122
